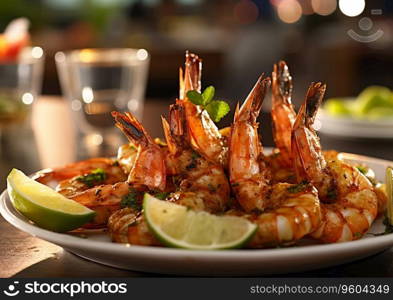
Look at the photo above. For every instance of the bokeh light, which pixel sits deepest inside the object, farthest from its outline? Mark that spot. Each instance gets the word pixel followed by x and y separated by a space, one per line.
pixel 324 7
pixel 289 11
pixel 307 8
pixel 246 12
pixel 352 8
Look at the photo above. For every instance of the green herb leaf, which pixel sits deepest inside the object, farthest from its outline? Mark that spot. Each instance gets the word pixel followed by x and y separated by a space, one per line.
pixel 195 97
pixel 131 200
pixel 195 155
pixel 217 109
pixel 95 177
pixel 297 188
pixel 208 94
pixel 362 169
pixel 161 195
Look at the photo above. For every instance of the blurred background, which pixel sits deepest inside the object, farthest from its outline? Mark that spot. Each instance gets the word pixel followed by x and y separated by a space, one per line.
pixel 238 39
pixel 348 45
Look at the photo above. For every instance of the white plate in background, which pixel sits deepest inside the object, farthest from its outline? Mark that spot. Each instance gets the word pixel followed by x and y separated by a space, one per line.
pixel 352 127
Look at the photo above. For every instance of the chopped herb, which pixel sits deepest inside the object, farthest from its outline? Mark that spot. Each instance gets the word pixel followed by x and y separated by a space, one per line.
pixel 161 195
pixel 331 194
pixel 115 163
pixel 235 184
pixel 362 169
pixel 369 175
pixel 297 188
pixel 388 227
pixel 195 155
pixel 216 109
pixel 95 177
pixel 131 200
pixel 358 235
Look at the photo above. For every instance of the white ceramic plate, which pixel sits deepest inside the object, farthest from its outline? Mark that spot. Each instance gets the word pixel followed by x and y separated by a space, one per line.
pixel 354 128
pixel 98 248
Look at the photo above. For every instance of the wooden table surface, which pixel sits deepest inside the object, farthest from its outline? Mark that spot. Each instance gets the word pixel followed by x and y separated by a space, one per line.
pixel 22 255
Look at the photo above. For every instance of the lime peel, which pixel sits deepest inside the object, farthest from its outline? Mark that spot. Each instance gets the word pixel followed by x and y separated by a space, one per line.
pixel 45 207
pixel 177 226
pixel 389 192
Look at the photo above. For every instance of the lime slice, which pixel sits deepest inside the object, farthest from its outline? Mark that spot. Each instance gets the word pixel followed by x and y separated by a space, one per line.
pixel 389 191
pixel 45 207
pixel 337 107
pixel 177 226
pixel 372 97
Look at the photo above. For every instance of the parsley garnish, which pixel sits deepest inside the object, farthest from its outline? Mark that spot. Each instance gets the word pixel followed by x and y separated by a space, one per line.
pixel 195 155
pixel 161 195
pixel 331 194
pixel 358 234
pixel 131 200
pixel 362 169
pixel 95 177
pixel 388 227
pixel 297 188
pixel 216 109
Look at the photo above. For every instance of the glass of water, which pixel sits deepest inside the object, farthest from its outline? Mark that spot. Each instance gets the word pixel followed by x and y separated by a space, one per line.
pixel 97 82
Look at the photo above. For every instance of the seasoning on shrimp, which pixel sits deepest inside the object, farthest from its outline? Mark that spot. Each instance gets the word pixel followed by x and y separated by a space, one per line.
pixel 283 212
pixel 349 203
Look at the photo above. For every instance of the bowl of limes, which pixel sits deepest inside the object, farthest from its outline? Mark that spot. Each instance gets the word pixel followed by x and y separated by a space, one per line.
pixel 369 115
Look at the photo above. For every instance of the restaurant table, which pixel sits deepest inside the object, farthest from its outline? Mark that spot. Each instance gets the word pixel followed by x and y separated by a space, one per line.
pixel 51 141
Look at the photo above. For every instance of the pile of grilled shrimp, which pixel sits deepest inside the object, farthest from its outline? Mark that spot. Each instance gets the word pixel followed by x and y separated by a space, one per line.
pixel 299 191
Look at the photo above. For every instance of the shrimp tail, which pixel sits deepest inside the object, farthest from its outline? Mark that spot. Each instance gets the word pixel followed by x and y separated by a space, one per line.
pixel 248 175
pixel 283 113
pixel 176 133
pixel 192 75
pixel 252 106
pixel 309 162
pixel 132 128
pixel 282 84
pixel 149 168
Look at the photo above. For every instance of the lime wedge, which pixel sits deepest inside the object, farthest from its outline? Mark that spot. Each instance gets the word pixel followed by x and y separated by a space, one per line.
pixel 45 207
pixel 389 191
pixel 177 226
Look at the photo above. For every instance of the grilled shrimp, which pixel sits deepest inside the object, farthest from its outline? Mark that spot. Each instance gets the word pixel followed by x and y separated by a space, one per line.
pixel 203 131
pixel 110 166
pixel 248 173
pixel 350 204
pixel 147 174
pixel 283 113
pixel 201 182
pixel 128 226
pixel 283 212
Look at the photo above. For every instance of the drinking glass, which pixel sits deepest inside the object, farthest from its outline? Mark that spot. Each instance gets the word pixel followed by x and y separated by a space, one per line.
pixel 20 85
pixel 97 82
